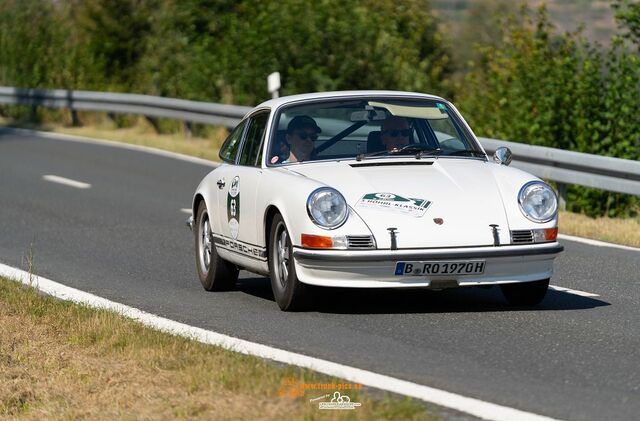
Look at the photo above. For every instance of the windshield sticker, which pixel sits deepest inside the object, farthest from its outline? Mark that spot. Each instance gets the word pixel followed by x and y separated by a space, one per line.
pixel 233 207
pixel 442 107
pixel 394 203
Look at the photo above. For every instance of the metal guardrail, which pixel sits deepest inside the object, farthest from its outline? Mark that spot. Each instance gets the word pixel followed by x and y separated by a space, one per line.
pixel 563 167
pixel 568 167
pixel 151 106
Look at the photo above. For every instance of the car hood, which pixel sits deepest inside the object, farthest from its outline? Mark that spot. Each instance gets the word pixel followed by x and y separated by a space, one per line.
pixel 432 203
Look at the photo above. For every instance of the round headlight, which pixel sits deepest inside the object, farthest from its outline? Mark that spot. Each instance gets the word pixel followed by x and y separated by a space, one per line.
pixel 327 208
pixel 538 201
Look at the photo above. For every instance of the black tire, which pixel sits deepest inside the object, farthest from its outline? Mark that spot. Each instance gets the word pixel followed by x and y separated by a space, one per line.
pixel 525 294
pixel 289 292
pixel 215 273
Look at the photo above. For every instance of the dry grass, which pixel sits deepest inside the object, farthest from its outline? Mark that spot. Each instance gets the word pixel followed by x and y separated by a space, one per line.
pixel 139 132
pixel 613 230
pixel 64 361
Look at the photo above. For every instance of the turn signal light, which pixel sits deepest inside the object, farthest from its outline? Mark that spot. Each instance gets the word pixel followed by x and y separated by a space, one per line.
pixel 551 234
pixel 545 234
pixel 316 241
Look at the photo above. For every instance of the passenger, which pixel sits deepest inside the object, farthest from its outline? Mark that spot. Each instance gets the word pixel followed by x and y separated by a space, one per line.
pixel 395 133
pixel 302 132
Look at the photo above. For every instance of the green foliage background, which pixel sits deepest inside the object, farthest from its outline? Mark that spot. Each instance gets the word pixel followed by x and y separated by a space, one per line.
pixel 512 74
pixel 557 90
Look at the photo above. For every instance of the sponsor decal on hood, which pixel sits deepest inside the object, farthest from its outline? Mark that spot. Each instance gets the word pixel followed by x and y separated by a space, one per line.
pixel 394 203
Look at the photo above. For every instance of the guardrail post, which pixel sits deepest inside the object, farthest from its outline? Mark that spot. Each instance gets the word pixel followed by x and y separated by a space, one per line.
pixel 154 122
pixel 562 196
pixel 75 120
pixel 188 129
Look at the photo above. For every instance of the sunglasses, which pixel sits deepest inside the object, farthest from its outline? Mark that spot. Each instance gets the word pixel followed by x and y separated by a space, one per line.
pixel 305 136
pixel 397 132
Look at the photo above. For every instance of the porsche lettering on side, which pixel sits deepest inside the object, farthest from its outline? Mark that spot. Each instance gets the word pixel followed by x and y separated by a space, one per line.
pixel 370 189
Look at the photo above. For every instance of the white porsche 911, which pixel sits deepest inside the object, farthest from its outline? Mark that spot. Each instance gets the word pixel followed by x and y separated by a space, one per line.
pixel 370 189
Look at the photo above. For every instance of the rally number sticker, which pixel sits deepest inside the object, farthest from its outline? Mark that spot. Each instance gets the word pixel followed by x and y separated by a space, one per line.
pixel 233 207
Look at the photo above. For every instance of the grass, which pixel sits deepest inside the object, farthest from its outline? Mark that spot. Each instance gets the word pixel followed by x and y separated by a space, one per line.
pixel 139 131
pixel 612 230
pixel 60 360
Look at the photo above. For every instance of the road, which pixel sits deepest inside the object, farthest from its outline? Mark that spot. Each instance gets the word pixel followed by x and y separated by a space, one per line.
pixel 123 238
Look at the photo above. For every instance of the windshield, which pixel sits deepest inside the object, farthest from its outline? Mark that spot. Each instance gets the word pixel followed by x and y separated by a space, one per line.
pixel 363 129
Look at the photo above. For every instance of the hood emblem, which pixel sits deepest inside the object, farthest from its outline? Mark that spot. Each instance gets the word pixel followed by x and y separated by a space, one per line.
pixel 438 221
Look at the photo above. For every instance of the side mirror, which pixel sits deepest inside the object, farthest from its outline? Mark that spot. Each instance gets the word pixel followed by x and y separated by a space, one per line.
pixel 502 156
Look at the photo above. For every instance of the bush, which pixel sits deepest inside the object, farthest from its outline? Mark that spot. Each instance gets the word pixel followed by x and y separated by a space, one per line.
pixel 628 14
pixel 557 90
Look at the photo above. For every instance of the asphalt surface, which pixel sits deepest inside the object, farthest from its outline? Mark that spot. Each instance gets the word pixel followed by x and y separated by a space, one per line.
pixel 572 357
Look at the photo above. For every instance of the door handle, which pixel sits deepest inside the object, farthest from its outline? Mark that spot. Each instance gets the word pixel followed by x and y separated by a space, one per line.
pixel 220 183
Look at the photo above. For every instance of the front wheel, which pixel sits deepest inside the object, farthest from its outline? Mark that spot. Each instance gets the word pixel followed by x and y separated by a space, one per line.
pixel 526 293
pixel 289 292
pixel 215 273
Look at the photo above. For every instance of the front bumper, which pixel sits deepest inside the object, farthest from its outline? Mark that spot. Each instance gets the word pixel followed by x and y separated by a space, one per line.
pixel 376 268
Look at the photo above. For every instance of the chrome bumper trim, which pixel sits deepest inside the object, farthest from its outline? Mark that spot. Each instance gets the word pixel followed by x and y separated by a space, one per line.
pixel 426 254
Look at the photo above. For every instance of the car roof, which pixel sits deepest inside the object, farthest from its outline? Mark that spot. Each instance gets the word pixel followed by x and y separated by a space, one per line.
pixel 276 102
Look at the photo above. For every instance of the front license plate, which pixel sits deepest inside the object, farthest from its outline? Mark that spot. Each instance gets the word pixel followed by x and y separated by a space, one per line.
pixel 457 267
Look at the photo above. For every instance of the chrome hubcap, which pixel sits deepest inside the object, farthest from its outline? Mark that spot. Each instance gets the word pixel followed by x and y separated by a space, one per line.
pixel 204 242
pixel 281 255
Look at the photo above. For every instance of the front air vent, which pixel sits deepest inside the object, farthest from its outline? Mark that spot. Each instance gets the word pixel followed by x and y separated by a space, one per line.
pixel 360 242
pixel 522 237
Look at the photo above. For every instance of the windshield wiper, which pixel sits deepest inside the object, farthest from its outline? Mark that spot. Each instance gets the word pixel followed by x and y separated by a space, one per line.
pixel 362 156
pixel 467 152
pixel 418 150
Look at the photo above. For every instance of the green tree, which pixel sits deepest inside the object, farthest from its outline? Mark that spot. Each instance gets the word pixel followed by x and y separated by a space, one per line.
pixel 557 90
pixel 26 52
pixel 185 57
pixel 627 13
pixel 338 45
pixel 39 49
pixel 116 34
pixel 225 50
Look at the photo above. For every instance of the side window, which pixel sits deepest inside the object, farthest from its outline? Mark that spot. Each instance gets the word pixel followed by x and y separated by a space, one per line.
pixel 253 140
pixel 229 148
pixel 448 134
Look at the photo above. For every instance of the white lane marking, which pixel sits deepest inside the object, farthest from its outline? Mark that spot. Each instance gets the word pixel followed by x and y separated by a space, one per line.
pixel 186 210
pixel 596 242
pixel 113 143
pixel 476 407
pixel 66 181
pixel 573 291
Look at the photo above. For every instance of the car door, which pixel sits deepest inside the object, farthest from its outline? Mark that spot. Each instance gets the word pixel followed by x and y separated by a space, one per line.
pixel 243 184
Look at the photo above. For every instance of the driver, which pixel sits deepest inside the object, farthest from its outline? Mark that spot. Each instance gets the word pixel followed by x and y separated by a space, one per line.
pixel 302 132
pixel 395 133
